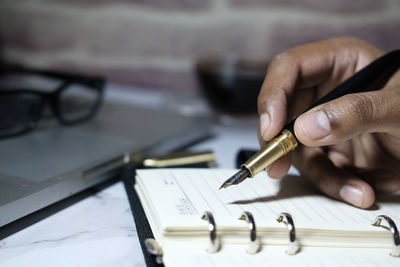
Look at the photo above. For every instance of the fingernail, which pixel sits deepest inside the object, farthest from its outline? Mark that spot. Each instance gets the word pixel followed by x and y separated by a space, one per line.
pixel 316 125
pixel 264 124
pixel 351 194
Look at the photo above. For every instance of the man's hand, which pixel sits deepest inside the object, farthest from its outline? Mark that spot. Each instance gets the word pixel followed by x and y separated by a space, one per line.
pixel 351 144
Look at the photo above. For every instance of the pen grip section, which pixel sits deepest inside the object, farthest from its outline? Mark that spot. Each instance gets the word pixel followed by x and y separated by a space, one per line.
pixel 275 149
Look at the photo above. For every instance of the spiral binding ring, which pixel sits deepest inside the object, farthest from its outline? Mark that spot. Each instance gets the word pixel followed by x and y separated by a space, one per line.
pixel 212 227
pixel 154 248
pixel 293 247
pixel 254 245
pixel 393 229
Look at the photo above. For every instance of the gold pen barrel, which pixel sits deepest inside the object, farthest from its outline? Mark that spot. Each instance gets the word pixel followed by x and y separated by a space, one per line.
pixel 275 149
pixel 179 159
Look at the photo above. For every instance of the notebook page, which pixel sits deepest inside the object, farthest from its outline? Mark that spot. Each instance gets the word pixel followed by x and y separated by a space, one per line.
pixel 183 254
pixel 179 196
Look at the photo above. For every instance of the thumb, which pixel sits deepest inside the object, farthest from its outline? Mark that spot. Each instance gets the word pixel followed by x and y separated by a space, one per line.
pixel 350 115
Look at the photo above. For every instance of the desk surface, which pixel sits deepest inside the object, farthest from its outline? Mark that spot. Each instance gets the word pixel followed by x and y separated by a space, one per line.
pixel 99 230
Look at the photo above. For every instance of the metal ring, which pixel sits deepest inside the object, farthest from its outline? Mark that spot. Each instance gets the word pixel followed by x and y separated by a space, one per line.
pixel 212 227
pixel 293 247
pixel 254 245
pixel 393 229
pixel 154 248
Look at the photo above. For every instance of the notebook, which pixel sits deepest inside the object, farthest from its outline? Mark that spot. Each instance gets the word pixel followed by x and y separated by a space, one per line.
pixel 327 231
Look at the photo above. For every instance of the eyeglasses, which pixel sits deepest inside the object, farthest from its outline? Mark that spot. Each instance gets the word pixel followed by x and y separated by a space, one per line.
pixel 74 99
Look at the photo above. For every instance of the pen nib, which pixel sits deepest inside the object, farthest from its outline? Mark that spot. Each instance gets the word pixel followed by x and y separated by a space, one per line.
pixel 237 178
pixel 225 185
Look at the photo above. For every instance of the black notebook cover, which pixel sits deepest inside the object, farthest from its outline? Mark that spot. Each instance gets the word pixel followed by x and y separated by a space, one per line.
pixel 142 224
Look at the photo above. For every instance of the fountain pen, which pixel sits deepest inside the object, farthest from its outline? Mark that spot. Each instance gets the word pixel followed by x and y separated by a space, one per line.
pixel 371 77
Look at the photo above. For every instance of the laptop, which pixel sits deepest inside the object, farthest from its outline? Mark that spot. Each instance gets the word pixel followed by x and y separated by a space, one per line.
pixel 52 163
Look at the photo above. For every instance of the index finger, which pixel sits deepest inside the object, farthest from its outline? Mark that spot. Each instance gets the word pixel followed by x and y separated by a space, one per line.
pixel 299 67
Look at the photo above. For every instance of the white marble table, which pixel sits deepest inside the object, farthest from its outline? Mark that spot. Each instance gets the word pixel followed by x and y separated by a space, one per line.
pixel 99 230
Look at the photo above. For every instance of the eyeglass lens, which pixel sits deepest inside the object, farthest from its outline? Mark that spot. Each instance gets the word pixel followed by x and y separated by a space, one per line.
pixel 19 112
pixel 77 102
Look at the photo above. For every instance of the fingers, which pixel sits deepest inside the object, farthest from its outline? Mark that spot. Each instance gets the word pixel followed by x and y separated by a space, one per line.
pixel 283 73
pixel 331 180
pixel 279 168
pixel 382 180
pixel 342 119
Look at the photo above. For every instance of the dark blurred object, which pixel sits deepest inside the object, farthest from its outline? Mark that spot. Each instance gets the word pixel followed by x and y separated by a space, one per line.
pixel 25 92
pixel 231 85
pixel 244 155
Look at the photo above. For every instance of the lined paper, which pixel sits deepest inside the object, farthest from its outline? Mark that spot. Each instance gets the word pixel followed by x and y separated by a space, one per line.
pixel 180 196
pixel 180 254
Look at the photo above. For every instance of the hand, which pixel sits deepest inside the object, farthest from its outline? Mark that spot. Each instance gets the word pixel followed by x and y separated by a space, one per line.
pixel 351 144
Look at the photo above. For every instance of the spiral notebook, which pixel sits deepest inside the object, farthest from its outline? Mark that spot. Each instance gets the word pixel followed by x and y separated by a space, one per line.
pixel 327 232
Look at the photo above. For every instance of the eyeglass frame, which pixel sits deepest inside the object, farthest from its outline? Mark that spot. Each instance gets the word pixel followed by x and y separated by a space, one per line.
pixel 53 98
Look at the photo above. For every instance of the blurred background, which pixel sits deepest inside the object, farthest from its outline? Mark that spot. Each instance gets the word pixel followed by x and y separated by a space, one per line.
pixel 155 43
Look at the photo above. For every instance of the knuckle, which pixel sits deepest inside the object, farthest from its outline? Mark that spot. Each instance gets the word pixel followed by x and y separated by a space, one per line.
pixel 262 103
pixel 394 105
pixel 271 97
pixel 262 98
pixel 362 108
pixel 285 57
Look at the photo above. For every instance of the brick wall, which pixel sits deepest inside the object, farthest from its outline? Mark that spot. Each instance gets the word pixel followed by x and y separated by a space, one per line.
pixel 154 43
